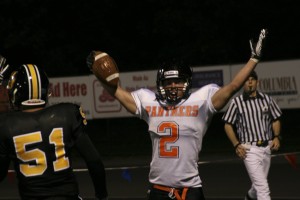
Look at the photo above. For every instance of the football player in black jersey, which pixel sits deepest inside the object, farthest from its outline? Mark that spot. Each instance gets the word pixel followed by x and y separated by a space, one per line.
pixel 38 140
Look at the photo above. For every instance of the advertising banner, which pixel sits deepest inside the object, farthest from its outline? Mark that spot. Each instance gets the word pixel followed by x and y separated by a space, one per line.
pixel 280 79
pixel 76 90
pixel 105 106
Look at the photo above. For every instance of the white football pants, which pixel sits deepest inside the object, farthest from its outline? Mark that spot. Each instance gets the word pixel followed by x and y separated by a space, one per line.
pixel 257 162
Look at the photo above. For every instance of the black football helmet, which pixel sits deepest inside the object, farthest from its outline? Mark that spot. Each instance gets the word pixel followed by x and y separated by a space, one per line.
pixel 169 96
pixel 28 87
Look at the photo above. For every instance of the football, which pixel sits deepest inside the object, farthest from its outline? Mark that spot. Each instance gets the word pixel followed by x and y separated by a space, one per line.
pixel 105 68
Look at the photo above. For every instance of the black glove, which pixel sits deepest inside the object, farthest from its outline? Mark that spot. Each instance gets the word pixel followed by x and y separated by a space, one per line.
pixel 90 60
pixel 256 49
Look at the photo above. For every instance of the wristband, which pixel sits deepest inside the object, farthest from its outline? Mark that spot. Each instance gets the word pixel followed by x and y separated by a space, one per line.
pixel 236 146
pixel 254 60
pixel 277 136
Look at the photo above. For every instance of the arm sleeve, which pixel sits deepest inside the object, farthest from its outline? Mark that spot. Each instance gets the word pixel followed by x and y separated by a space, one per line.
pixel 94 164
pixel 4 157
pixel 213 88
pixel 4 160
pixel 230 114
pixel 275 110
pixel 79 121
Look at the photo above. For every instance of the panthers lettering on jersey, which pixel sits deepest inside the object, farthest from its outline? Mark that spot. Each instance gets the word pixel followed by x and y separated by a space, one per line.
pixel 182 111
pixel 42 141
pixel 176 135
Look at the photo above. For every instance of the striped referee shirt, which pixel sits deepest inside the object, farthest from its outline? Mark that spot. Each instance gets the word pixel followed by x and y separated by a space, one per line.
pixel 252 117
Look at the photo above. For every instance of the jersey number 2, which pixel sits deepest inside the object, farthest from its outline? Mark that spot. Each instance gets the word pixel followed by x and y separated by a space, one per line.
pixel 173 130
pixel 55 138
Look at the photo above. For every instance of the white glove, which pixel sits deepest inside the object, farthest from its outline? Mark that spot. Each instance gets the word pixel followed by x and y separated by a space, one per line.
pixel 3 68
pixel 257 49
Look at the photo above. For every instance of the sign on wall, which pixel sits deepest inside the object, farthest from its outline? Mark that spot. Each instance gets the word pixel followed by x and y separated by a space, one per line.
pixel 280 79
pixel 76 90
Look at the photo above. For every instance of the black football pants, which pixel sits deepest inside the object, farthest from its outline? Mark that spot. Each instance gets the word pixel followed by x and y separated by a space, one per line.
pixel 55 198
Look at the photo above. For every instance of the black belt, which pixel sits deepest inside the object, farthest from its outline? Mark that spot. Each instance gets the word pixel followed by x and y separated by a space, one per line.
pixel 260 143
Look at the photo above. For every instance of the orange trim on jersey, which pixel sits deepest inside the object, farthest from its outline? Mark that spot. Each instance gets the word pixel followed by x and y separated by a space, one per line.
pixel 173 191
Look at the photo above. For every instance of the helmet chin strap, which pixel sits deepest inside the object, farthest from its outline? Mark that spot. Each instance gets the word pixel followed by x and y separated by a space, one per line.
pixel 171 106
pixel 172 95
pixel 172 92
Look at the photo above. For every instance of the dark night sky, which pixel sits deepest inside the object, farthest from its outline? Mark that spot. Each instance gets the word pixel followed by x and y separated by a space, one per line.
pixel 58 34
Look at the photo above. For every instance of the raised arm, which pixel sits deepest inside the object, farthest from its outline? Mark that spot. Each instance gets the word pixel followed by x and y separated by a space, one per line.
pixel 222 96
pixel 123 96
pixel 105 69
pixel 5 70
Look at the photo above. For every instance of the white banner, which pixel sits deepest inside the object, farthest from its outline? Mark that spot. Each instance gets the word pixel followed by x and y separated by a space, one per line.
pixel 105 106
pixel 279 79
pixel 73 89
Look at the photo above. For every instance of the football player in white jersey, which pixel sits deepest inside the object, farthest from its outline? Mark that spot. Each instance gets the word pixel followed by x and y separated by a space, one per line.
pixel 178 120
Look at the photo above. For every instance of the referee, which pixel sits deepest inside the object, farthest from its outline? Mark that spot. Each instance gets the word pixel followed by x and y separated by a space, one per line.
pixel 252 125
